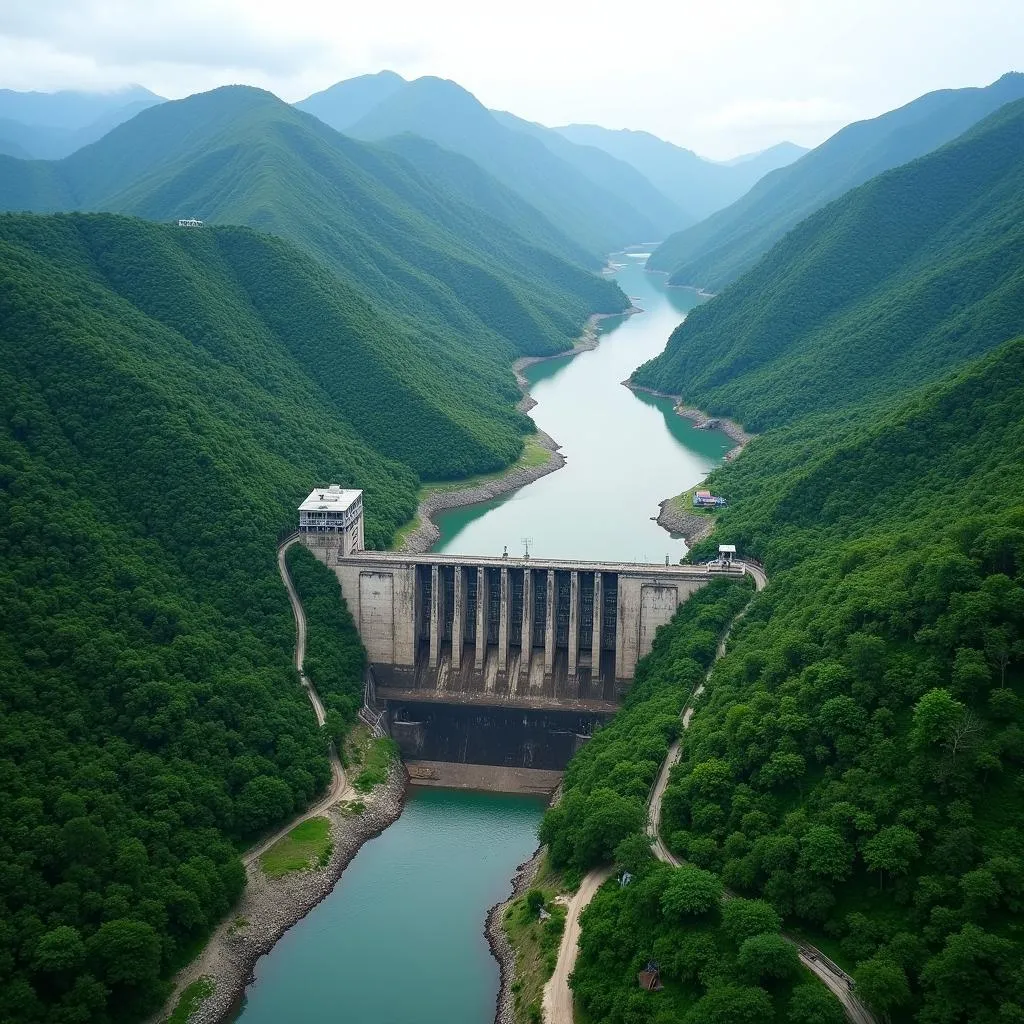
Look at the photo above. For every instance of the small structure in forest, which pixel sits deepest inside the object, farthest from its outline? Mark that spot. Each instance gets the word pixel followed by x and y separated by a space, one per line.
pixel 705 499
pixel 189 222
pixel 650 977
pixel 726 553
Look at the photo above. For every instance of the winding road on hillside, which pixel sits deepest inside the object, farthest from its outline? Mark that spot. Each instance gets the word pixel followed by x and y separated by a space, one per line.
pixel 557 998
pixel 339 788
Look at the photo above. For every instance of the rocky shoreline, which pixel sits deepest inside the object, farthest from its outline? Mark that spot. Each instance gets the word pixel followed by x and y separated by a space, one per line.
pixel 690 526
pixel 425 535
pixel 501 949
pixel 269 907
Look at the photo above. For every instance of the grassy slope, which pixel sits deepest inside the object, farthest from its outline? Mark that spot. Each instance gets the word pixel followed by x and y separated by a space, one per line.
pixel 893 284
pixel 721 248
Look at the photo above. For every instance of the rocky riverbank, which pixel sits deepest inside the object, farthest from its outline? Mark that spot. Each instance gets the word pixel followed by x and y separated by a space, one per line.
pixel 426 533
pixel 269 907
pixel 501 948
pixel 690 526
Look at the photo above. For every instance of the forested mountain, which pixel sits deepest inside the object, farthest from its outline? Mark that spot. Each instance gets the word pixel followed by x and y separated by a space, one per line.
pixel 470 287
pixel 447 114
pixel 346 102
pixel 167 399
pixel 717 251
pixel 898 281
pixel 699 187
pixel 604 170
pixel 48 126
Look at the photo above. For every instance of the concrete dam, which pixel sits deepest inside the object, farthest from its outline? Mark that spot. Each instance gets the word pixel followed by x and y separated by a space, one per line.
pixel 499 661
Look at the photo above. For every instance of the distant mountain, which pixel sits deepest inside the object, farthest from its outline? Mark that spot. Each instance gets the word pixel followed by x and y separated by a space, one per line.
pixel 892 285
pixel 12 140
pixel 444 112
pixel 71 110
pixel 696 185
pixel 718 250
pixel 779 155
pixel 471 289
pixel 605 171
pixel 346 102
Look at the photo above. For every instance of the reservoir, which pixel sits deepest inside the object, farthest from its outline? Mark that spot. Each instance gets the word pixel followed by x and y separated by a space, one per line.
pixel 626 451
pixel 400 939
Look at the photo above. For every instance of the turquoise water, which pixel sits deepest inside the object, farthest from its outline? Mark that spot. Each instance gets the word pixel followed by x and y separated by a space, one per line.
pixel 625 451
pixel 400 939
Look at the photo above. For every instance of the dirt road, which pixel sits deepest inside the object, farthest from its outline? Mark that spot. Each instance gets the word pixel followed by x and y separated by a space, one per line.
pixel 557 999
pixel 339 788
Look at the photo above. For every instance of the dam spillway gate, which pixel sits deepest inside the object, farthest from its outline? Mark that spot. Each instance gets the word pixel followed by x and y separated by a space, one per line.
pixel 499 660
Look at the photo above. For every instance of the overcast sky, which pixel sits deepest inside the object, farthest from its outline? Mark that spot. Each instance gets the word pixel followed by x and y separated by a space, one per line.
pixel 719 76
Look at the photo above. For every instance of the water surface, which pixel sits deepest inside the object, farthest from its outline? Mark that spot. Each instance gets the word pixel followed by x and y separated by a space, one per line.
pixel 625 451
pixel 400 939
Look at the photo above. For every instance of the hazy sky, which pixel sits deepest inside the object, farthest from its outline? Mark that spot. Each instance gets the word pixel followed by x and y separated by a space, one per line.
pixel 719 76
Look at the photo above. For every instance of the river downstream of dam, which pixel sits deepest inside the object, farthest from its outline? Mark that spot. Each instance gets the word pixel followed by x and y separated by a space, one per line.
pixel 400 939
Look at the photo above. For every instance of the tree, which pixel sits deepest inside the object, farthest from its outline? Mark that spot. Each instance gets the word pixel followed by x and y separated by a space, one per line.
pixel 824 852
pixel 972 967
pixel 126 952
pixel 767 957
pixel 732 1004
pixel 690 892
pixel 534 901
pixel 891 850
pixel 634 852
pixel 813 1003
pixel 742 918
pixel 934 717
pixel 60 949
pixel 882 985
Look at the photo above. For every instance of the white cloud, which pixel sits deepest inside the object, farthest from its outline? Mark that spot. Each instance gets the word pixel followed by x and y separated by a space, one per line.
pixel 722 77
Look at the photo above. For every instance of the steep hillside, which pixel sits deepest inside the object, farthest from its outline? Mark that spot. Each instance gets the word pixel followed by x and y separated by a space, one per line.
pixel 895 283
pixel 858 758
pixel 453 118
pixel 470 287
pixel 344 103
pixel 717 251
pixel 697 186
pixel 605 171
pixel 158 430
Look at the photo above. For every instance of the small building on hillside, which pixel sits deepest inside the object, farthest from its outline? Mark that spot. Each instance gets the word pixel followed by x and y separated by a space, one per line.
pixel 726 553
pixel 336 512
pixel 650 977
pixel 705 499
pixel 189 222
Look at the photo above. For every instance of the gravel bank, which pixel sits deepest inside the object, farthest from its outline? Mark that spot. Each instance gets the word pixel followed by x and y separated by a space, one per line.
pixel 425 535
pixel 691 527
pixel 269 907
pixel 501 948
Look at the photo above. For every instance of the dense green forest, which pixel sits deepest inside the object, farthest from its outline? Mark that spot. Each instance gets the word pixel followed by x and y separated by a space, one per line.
pixel 902 279
pixel 335 659
pixel 723 247
pixel 160 425
pixel 857 758
pixel 473 281
pixel 605 788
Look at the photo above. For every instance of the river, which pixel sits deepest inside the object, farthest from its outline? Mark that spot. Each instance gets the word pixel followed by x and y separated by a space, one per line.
pixel 625 451
pixel 400 938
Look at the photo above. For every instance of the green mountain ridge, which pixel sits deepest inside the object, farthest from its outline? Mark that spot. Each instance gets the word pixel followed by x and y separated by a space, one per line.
pixel 470 289
pixel 895 283
pixel 448 115
pixel 718 250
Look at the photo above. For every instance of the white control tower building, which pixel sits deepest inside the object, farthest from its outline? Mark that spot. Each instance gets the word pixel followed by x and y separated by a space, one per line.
pixel 333 516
